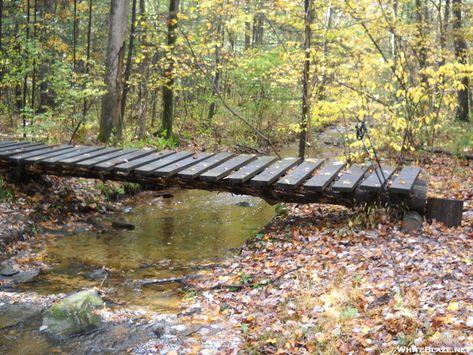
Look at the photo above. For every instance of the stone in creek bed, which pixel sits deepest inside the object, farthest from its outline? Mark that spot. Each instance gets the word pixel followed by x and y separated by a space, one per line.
pixel 122 225
pixel 9 270
pixel 26 276
pixel 13 314
pixel 73 315
pixel 244 204
pixel 98 274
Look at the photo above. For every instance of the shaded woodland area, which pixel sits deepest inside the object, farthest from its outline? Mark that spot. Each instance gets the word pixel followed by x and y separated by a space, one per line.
pixel 236 72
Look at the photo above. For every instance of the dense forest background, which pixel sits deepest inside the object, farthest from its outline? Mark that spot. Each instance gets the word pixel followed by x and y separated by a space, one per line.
pixel 248 73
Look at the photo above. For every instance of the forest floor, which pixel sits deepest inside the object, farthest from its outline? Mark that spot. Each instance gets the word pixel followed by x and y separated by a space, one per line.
pixel 315 281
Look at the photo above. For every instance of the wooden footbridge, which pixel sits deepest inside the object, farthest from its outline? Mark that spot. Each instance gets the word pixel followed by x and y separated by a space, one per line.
pixel 284 180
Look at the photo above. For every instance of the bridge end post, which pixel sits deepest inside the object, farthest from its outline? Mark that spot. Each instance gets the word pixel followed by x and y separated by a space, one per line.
pixel 447 211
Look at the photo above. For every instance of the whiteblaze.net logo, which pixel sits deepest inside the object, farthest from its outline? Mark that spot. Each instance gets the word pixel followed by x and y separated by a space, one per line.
pixel 434 350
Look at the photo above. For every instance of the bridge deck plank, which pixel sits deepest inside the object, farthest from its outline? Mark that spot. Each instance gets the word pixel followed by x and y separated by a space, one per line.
pixel 248 171
pixel 78 151
pixel 274 171
pixel 299 174
pixel 324 177
pixel 200 168
pixel 376 180
pixel 91 162
pixel 403 183
pixel 350 179
pixel 136 163
pixel 226 168
pixel 54 153
pixel 174 168
pixel 122 159
pixel 22 149
pixel 86 155
pixel 49 149
pixel 149 168
pixel 15 146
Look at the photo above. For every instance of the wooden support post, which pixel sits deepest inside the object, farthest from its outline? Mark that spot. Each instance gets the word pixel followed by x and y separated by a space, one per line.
pixel 445 210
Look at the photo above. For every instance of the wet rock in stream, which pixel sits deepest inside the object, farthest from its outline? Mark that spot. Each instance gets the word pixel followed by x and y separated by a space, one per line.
pixel 13 314
pixel 123 225
pixel 8 270
pixel 98 274
pixel 73 315
pixel 19 277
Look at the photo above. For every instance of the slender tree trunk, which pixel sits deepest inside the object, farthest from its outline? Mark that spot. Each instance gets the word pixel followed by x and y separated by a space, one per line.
pixel 143 89
pixel 168 90
pixel 111 108
pixel 461 48
pixel 87 64
pixel 443 28
pixel 247 26
pixel 33 77
pixel 394 39
pixel 1 25
pixel 75 33
pixel 25 79
pixel 421 45
pixel 218 72
pixel 305 77
pixel 129 57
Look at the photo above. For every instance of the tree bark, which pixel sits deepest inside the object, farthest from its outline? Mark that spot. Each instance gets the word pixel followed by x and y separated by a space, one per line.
pixel 461 55
pixel 443 28
pixel 168 89
pixel 128 67
pixel 247 26
pixel 305 78
pixel 111 108
pixel 143 89
pixel 218 71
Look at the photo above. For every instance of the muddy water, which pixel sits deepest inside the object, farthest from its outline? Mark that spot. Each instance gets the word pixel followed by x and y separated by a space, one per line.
pixel 172 237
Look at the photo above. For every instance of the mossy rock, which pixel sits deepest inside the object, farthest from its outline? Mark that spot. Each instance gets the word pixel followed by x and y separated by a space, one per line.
pixel 73 315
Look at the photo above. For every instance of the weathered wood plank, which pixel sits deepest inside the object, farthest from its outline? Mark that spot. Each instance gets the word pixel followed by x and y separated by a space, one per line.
pixel 402 184
pixel 128 167
pixel 227 167
pixel 11 144
pixel 70 154
pixel 148 168
pixel 299 174
pixel 374 180
pixel 200 168
pixel 16 146
pixel 6 143
pixel 22 149
pixel 91 162
pixel 324 177
pixel 24 156
pixel 274 172
pixel 250 170
pixel 350 179
pixel 174 168
pixel 109 164
pixel 51 154
pixel 85 156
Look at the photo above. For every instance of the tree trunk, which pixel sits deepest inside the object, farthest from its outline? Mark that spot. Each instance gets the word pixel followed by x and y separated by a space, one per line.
pixel 247 26
pixel 305 78
pixel 461 48
pixel 111 108
pixel 443 28
pixel 421 45
pixel 143 89
pixel 126 85
pixel 168 90
pixel 75 33
pixel 218 72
